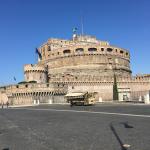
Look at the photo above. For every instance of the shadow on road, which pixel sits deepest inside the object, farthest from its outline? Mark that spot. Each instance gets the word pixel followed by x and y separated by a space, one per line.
pixel 122 145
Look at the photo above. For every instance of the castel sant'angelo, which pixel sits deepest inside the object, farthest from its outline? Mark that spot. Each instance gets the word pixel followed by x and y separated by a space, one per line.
pixel 82 64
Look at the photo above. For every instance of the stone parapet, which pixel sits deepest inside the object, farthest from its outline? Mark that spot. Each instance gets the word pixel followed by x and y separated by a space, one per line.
pixel 34 68
pixel 36 73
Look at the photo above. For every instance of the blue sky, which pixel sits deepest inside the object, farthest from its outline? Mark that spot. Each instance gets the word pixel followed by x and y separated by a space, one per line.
pixel 26 24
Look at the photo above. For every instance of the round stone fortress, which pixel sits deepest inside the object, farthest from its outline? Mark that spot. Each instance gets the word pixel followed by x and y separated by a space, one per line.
pixel 35 73
pixel 83 55
pixel 82 64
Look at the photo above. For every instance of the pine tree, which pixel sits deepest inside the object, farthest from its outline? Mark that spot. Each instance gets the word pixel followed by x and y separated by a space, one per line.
pixel 115 89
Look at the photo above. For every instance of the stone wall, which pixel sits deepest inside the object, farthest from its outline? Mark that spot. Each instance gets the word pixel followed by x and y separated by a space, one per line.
pixel 25 94
pixel 104 90
pixel 35 73
pixel 54 92
pixel 3 97
pixel 85 56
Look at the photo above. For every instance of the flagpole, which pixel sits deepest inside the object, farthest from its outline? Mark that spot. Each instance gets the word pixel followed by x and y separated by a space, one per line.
pixel 81 22
pixel 36 56
pixel 82 31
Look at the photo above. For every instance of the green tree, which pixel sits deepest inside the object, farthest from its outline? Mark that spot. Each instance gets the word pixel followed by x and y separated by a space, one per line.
pixel 115 89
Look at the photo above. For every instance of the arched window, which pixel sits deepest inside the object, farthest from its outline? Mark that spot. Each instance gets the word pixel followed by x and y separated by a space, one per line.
pixel 67 51
pixel 102 49
pixel 127 53
pixel 109 49
pixel 92 49
pixel 79 50
pixel 121 52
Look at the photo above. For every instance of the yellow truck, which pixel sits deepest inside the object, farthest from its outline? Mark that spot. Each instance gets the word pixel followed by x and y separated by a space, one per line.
pixel 81 98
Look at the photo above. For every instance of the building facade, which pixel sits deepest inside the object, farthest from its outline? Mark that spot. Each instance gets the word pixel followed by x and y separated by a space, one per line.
pixel 77 65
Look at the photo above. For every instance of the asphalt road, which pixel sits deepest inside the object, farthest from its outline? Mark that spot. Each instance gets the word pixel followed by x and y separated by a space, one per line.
pixel 60 127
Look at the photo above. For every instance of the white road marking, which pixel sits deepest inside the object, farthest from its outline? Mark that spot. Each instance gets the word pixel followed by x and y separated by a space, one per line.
pixel 91 112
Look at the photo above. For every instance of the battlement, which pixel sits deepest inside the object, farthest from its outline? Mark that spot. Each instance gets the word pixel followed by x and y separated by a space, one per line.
pixel 84 79
pixel 54 43
pixel 31 87
pixel 31 67
pixel 88 39
pixel 36 73
pixel 84 55
pixel 142 77
pixel 80 49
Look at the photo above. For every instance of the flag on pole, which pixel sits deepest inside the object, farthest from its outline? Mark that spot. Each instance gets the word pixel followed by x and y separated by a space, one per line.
pixel 39 54
pixel 74 30
pixel 14 78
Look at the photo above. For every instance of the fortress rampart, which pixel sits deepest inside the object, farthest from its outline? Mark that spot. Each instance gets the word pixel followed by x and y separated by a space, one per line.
pixel 26 94
pixel 84 49
pixel 31 67
pixel 85 58
pixel 53 92
pixel 77 65
pixel 35 73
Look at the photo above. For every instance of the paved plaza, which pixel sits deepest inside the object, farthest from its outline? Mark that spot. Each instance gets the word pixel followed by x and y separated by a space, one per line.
pixel 61 127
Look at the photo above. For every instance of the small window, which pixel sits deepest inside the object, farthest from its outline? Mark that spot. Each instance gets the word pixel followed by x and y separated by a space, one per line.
pixel 27 76
pixel 127 53
pixel 26 85
pixel 58 53
pixel 110 61
pixel 116 50
pixel 102 49
pixel 67 51
pixel 79 50
pixel 121 52
pixel 49 48
pixel 109 49
pixel 17 86
pixel 47 85
pixel 92 49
